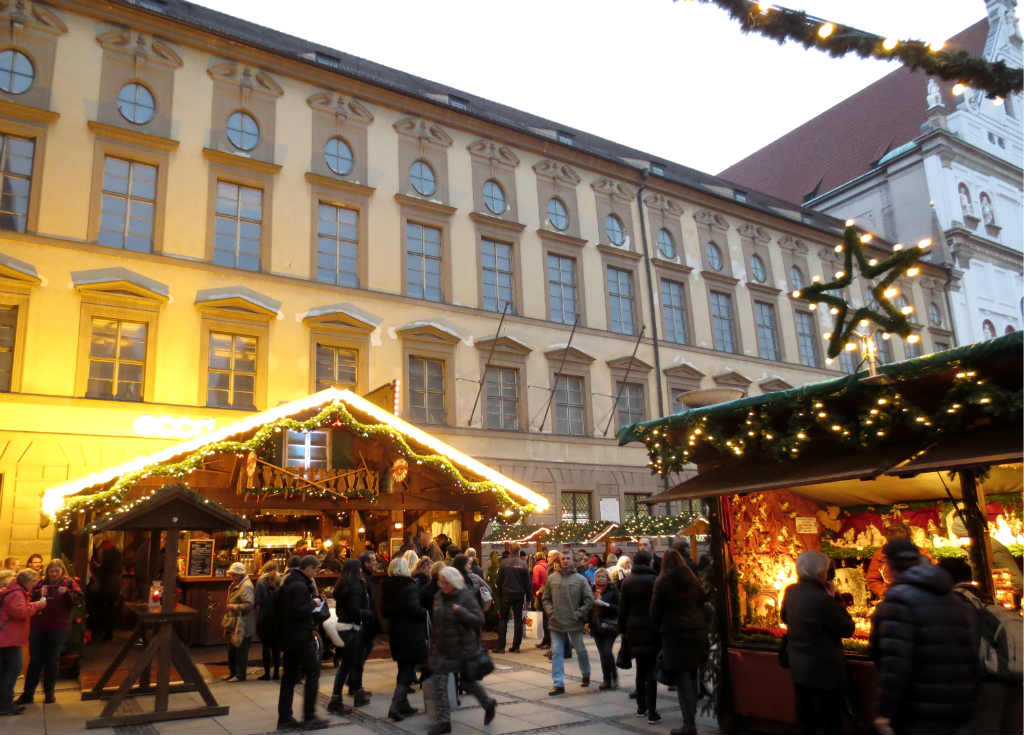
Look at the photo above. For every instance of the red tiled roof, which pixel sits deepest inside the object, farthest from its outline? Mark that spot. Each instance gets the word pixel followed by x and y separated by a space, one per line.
pixel 842 142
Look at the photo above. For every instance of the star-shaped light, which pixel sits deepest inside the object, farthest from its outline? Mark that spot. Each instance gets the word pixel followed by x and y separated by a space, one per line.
pixel 903 262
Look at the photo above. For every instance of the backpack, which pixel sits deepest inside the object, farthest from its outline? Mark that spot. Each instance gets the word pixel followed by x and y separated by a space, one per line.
pixel 1001 644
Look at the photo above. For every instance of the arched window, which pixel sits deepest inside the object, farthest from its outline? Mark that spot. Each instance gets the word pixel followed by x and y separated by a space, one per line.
pixel 615 231
pixel 558 215
pixel 494 196
pixel 666 244
pixel 714 256
pixel 796 278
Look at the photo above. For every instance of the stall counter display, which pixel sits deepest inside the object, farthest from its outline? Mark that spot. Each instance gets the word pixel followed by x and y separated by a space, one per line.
pixel 771 529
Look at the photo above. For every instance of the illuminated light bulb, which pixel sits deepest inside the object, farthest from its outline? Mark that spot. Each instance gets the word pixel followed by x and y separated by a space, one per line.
pixel 801 435
pixel 769 436
pixel 891 292
pixel 867 237
pixel 936 46
pixel 873 411
pixel 836 427
pixel 822 414
pixel 925 244
pixel 851 222
pixel 873 261
pixel 998 101
pixel 812 307
pixel 880 433
pixel 796 294
pixel 862 323
pixel 362 530
pixel 827 335
pixel 886 335
pixel 815 279
pixel 897 247
pixel 764 7
pixel 826 30
pixel 850 346
pixel 958 89
pixel 838 248
pixel 986 399
pixel 840 274
pixel 907 310
pixel 834 310
pixel 913 271
pixel 890 43
pixel 829 360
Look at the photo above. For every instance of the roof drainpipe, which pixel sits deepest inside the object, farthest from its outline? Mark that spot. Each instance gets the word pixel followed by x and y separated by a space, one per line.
pixel 650 294
pixel 949 304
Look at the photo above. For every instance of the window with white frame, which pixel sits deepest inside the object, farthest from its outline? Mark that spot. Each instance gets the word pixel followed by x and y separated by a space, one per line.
pixel 337 245
pixel 496 275
pixel 502 409
pixel 306 449
pixel 673 306
pixel 722 322
pixel 630 408
pixel 570 410
pixel 426 390
pixel 423 262
pixel 767 330
pixel 807 339
pixel 620 300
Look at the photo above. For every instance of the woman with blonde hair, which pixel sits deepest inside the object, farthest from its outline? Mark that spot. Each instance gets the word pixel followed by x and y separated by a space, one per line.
pixel 267 587
pixel 407 632
pixel 49 629
pixel 411 559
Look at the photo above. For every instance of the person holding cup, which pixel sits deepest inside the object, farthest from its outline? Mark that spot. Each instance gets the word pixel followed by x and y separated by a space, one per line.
pixel 49 629
pixel 15 611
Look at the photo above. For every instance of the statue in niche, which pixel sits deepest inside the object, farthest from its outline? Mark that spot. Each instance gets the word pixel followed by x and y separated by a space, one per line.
pixel 965 200
pixel 934 96
pixel 988 215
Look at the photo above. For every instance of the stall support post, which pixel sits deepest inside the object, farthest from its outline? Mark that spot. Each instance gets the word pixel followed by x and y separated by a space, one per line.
pixel 977 527
pixel 723 611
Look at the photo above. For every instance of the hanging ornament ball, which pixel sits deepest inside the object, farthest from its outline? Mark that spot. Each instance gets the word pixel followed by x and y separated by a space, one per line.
pixel 400 469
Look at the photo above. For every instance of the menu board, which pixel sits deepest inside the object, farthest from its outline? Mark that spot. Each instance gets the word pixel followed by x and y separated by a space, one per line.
pixel 200 558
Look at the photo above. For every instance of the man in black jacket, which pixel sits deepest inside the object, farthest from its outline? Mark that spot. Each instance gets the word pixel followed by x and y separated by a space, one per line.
pixel 294 606
pixel 513 587
pixel 368 632
pixel 922 644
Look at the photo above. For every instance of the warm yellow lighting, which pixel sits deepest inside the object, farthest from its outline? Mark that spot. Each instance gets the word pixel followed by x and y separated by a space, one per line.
pixel 796 294
pixel 913 271
pixel 838 248
pixel 812 307
pixel 891 292
pixel 815 279
pixel 851 222
pixel 907 310
pixel 936 45
pixel 886 335
pixel 925 244
pixel 862 323
pixel 834 310
pixel 172 427
pixel 873 261
pixel 850 346
pixel 914 339
pixel 897 247
pixel 827 335
pixel 361 530
pixel 866 238
pixel 840 274
pixel 763 7
pixel 890 43
pixel 826 30
pixel 986 399
pixel 958 89
pixel 998 101
pixel 508 511
pixel 398 526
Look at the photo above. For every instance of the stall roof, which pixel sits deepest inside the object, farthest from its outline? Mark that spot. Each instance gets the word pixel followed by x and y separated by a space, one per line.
pixel 173 507
pixel 54 498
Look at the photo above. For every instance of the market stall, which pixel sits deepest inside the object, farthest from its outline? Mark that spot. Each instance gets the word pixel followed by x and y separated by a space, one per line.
pixel 331 474
pixel 930 448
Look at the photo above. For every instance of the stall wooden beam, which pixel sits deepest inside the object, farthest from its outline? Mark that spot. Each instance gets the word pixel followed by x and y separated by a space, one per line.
pixel 977 526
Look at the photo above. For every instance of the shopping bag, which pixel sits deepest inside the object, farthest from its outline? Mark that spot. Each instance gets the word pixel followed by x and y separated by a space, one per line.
pixel 533 625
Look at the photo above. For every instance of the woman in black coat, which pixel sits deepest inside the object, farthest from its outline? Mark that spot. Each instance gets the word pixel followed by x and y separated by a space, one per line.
pixel 604 626
pixel 352 606
pixel 677 613
pixel 407 632
pixel 643 640
pixel 817 622
pixel 266 619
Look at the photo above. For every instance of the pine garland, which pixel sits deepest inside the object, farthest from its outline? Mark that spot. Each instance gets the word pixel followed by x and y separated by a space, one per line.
pixel 644 524
pixel 996 79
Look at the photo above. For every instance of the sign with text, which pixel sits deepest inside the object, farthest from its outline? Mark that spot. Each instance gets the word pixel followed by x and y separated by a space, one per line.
pixel 807 524
pixel 200 558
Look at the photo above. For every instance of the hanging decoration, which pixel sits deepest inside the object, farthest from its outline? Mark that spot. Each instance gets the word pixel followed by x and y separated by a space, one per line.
pixel 781 24
pixel 400 469
pixel 888 318
pixel 645 524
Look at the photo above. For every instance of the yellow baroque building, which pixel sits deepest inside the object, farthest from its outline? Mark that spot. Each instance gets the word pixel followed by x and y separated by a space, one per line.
pixel 201 217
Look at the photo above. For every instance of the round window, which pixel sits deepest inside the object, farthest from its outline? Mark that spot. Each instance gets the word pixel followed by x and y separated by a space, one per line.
pixel 934 315
pixel 422 178
pixel 666 244
pixel 338 156
pixel 136 104
pixel 615 231
pixel 796 278
pixel 714 256
pixel 243 132
pixel 757 269
pixel 558 215
pixel 494 197
pixel 16 72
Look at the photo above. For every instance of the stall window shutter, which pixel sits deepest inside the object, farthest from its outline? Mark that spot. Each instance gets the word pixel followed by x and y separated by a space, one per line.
pixel 342 454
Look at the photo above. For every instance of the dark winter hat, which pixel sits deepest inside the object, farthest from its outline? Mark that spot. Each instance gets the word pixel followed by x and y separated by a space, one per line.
pixel 901 554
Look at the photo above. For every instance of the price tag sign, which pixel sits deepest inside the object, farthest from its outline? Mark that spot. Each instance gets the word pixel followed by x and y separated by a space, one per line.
pixel 807 524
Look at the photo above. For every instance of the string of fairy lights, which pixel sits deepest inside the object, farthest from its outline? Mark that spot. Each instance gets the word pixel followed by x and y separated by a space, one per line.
pixel 335 415
pixel 781 24
pixel 570 532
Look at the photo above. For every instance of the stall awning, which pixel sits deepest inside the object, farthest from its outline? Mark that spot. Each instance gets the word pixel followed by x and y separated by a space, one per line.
pixel 973 450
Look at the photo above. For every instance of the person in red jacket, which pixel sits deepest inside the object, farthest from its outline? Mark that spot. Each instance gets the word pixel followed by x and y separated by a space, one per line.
pixel 538 578
pixel 49 629
pixel 15 611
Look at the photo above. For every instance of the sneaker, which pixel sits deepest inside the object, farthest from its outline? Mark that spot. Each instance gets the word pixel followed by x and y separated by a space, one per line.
pixel 555 691
pixel 585 682
pixel 489 710
pixel 229 677
pixel 514 650
pixel 543 645
pixel 315 723
pixel 641 713
pixel 653 717
pixel 49 698
pixel 362 697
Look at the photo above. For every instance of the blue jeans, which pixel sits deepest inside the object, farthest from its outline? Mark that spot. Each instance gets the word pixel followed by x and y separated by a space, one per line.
pixel 43 657
pixel 10 667
pixel 558 642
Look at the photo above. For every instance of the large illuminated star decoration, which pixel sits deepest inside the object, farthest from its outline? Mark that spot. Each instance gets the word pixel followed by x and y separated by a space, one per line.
pixel 888 318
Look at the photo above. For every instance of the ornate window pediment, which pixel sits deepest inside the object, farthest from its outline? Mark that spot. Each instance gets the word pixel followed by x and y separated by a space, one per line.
pixel 118 283
pixel 237 301
pixel 347 317
pixel 341 106
pixel 711 219
pixel 144 49
pixel 732 379
pixel 634 365
pixel 424 131
pixel 18 272
pixel 504 345
pixel 755 233
pixel 773 384
pixel 559 172
pixel 495 153
pixel 246 78
pixel 793 244
pixel 25 14
pixel 665 205
pixel 614 189
pixel 556 353
pixel 430 331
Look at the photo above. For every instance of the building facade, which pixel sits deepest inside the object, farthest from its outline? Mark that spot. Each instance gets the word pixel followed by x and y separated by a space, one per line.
pixel 930 160
pixel 201 217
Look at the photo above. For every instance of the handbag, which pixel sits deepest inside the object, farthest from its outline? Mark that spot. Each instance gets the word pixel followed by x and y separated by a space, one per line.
pixel 477 667
pixel 784 651
pixel 623 660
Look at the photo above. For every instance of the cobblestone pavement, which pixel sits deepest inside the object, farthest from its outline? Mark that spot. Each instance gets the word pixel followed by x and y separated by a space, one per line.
pixel 520 683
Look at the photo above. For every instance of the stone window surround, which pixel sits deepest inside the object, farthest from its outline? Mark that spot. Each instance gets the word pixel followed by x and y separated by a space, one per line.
pixel 245 172
pixel 429 214
pixel 492 160
pixel 613 257
pixel 416 343
pixel 240 321
pixel 567 247
pixel 348 195
pixel 779 343
pixel 423 140
pixel 727 286
pixel 713 227
pixel 665 213
pixel 28 122
pixel 507 353
pixel 683 377
pixel 16 292
pixel 577 363
pixel 680 277
pixel 819 349
pixel 334 335
pixel 754 241
pixel 336 115
pixel 794 253
pixel 136 147
pixel 639 373
pixel 555 179
pixel 240 88
pixel 614 197
pixel 34 34
pixel 96 302
pixel 507 232
pixel 129 57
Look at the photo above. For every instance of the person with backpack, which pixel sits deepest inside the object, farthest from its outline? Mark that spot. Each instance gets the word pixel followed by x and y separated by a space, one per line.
pixel 923 647
pixel 15 612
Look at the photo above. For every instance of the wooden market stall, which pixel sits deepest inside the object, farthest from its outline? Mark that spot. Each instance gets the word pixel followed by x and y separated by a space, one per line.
pixel 334 473
pixel 932 445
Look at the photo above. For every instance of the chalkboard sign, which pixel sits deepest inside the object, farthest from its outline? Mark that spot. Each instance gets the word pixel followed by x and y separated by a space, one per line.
pixel 200 558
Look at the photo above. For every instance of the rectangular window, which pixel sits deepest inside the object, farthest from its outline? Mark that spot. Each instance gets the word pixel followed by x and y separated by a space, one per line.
pixel 231 377
pixel 496 276
pixel 634 506
pixel 575 507
pixel 336 367
pixel 239 226
pixel 566 138
pixel 884 349
pixel 767 330
pixel 306 449
pixel 721 322
pixel 914 349
pixel 807 339
pixel 673 305
pixel 562 289
pixel 502 386
pixel 8 326
pixel 631 403
pixel 16 156
pixel 620 300
pixel 941 346
pixel 570 412
pixel 426 390
pixel 848 360
pixel 423 249
pixel 117 359
pixel 128 204
pixel 337 245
